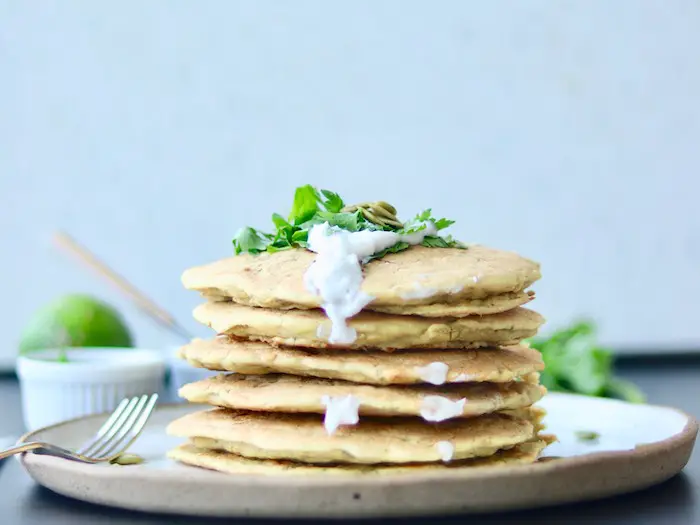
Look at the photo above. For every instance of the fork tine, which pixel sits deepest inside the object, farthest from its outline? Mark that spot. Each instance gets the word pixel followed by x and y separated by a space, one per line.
pixel 118 422
pixel 104 428
pixel 131 431
pixel 117 434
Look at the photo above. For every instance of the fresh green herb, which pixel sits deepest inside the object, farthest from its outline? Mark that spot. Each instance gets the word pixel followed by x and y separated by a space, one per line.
pixel 333 202
pixel 574 362
pixel 396 248
pixel 419 222
pixel 586 435
pixel 249 240
pixel 353 222
pixel 306 200
pixel 312 206
pixel 280 222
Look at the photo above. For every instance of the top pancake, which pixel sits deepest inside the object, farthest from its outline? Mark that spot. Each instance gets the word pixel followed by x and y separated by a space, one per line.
pixel 431 282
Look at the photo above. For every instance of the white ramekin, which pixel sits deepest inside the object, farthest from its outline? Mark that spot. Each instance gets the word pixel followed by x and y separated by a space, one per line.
pixel 93 380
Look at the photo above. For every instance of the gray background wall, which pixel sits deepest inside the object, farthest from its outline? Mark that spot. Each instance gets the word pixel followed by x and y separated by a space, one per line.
pixel 151 131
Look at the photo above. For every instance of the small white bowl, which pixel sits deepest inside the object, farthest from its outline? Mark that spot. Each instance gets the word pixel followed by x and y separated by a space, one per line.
pixel 93 380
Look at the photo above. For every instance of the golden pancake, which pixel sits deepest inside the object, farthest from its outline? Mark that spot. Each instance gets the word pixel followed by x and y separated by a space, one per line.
pixel 496 365
pixel 214 458
pixel 285 393
pixel 302 437
pixel 417 276
pixel 310 328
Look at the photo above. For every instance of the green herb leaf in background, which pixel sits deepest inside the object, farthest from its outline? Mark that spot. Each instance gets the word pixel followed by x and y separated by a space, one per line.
pixel 574 362
pixel 623 389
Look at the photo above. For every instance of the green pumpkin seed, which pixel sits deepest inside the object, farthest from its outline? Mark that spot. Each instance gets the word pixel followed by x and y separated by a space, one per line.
pixel 127 459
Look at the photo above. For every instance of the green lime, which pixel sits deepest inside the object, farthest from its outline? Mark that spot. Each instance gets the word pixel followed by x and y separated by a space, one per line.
pixel 75 320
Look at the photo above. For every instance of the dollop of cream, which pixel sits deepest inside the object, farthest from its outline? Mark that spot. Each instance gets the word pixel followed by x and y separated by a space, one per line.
pixel 446 450
pixel 464 378
pixel 340 410
pixel 336 273
pixel 439 408
pixel 434 373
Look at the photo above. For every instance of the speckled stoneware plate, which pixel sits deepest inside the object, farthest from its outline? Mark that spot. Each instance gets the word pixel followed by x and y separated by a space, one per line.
pixel 639 446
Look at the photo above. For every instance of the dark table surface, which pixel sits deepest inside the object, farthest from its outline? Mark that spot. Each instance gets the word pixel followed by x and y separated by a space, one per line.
pixel 671 381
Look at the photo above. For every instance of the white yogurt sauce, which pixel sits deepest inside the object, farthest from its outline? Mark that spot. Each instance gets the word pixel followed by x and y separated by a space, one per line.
pixel 434 373
pixel 336 273
pixel 445 449
pixel 343 410
pixel 438 408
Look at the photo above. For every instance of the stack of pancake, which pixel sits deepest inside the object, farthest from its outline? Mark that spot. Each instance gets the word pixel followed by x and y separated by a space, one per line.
pixel 437 377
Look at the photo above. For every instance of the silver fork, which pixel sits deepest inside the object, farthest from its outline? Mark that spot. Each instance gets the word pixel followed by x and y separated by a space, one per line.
pixel 113 438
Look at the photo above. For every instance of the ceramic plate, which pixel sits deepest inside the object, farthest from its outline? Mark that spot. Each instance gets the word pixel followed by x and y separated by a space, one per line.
pixel 638 446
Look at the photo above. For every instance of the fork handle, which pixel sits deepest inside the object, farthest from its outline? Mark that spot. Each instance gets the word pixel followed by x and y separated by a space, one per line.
pixel 24 447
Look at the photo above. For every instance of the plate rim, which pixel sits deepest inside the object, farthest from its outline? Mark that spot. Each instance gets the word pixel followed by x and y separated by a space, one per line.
pixel 686 436
pixel 464 491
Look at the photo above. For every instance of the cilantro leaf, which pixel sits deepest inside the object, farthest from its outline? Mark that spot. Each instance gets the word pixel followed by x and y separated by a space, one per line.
pixel 420 221
pixel 441 224
pixel 398 247
pixel 423 216
pixel 347 221
pixel 250 240
pixel 305 204
pixel 300 236
pixel 274 248
pixel 279 221
pixel 333 202
pixel 433 241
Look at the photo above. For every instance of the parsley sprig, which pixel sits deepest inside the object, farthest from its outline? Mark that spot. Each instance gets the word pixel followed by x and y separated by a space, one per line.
pixel 312 206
